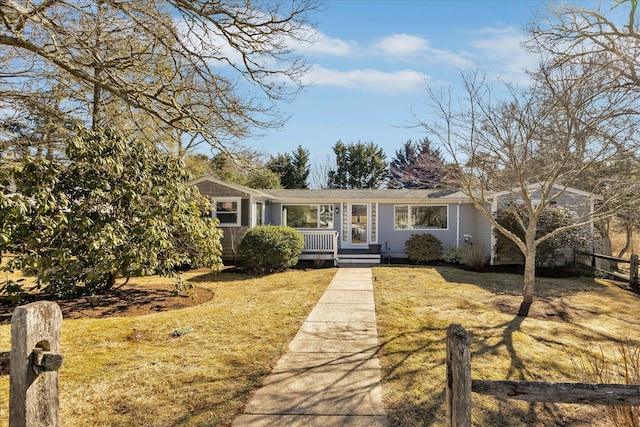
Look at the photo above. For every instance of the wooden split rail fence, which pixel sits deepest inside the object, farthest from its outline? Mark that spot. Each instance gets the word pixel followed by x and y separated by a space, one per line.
pixel 33 365
pixel 459 385
pixel 605 263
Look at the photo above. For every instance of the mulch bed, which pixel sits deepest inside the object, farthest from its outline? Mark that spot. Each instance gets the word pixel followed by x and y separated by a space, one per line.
pixel 130 300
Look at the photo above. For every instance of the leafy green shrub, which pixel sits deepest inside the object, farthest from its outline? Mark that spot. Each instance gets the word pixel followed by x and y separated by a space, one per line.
pixel 423 247
pixel 116 207
pixel 551 218
pixel 473 256
pixel 270 247
pixel 450 254
pixel 12 291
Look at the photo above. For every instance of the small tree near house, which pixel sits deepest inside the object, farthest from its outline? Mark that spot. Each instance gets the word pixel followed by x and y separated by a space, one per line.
pixel 533 142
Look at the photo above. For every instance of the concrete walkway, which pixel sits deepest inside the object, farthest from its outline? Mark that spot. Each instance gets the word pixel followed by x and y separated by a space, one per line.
pixel 331 375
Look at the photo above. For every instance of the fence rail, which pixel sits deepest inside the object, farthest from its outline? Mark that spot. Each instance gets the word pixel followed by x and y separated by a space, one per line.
pixel 459 385
pixel 603 263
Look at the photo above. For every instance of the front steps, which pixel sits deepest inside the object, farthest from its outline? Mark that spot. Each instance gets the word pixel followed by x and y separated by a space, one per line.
pixel 345 259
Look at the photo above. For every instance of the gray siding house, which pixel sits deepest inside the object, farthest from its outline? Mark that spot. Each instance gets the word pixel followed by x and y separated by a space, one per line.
pixel 350 225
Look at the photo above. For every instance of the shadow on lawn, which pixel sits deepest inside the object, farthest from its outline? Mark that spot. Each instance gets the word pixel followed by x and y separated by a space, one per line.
pixel 405 357
pixel 511 284
pixel 220 277
pixel 427 408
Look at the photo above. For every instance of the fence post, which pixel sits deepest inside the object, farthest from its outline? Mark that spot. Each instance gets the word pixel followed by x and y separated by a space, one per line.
pixel 633 271
pixel 458 388
pixel 34 363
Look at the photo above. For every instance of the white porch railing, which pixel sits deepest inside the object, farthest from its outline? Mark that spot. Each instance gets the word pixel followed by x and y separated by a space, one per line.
pixel 320 243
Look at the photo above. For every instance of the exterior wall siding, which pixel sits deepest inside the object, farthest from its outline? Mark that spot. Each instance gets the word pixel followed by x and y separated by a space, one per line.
pixel 393 241
pixel 231 237
pixel 483 230
pixel 268 214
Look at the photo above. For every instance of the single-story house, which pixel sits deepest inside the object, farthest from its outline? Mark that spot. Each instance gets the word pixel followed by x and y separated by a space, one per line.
pixel 368 225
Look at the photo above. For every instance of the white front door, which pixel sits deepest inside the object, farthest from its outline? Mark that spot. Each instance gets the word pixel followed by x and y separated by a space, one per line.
pixel 358 224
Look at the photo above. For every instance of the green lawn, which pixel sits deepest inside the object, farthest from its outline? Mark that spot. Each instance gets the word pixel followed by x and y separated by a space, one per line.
pixel 130 371
pixel 124 371
pixel 416 305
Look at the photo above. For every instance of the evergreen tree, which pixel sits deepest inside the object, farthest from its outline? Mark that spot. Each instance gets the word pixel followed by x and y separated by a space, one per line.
pixel 358 165
pixel 293 168
pixel 417 165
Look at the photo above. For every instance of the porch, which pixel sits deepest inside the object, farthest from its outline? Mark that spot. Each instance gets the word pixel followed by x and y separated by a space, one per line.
pixel 323 245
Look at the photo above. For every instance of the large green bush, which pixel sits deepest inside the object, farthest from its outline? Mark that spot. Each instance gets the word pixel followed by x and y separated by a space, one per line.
pixel 116 207
pixel 270 247
pixel 423 247
pixel 551 218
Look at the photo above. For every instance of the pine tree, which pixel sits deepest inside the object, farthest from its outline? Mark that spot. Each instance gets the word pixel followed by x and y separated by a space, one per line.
pixel 417 165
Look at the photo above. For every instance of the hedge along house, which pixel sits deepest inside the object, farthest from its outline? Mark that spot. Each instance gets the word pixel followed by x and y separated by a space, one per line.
pixel 348 226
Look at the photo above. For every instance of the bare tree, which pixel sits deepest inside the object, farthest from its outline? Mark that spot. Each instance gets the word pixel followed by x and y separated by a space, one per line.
pixel 532 143
pixel 319 178
pixel 607 36
pixel 182 72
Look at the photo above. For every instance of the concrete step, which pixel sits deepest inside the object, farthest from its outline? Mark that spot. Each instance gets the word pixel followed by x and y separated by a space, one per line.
pixel 359 259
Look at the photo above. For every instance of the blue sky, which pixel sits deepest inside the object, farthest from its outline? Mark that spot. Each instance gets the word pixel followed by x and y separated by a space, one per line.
pixel 372 59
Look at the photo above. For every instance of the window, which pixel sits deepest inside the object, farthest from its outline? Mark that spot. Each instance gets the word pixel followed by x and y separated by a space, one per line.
pixel 420 217
pixel 307 216
pixel 228 211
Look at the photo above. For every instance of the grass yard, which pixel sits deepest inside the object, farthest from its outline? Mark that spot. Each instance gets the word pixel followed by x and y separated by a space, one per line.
pixel 416 305
pixel 194 366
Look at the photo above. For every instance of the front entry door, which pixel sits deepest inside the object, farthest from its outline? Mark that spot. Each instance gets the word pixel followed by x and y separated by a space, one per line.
pixel 359 226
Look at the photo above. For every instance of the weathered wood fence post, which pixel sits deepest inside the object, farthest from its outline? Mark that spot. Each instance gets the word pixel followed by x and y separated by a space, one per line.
pixel 458 389
pixel 34 363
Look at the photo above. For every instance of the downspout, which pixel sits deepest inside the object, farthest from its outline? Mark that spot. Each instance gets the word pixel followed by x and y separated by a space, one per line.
pixel 494 210
pixel 592 226
pixel 458 225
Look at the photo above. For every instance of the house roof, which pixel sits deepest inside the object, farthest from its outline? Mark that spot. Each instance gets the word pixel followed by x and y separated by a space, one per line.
pixel 238 187
pixel 363 194
pixel 559 187
pixel 396 195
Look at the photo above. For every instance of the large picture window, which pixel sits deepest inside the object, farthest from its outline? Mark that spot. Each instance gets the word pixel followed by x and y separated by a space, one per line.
pixel 228 211
pixel 307 216
pixel 420 217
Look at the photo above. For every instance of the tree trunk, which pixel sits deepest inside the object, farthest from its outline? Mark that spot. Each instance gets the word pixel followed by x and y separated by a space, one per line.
pixel 110 282
pixel 628 226
pixel 529 274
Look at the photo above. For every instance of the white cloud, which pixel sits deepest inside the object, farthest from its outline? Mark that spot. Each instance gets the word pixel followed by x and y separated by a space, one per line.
pixel 401 45
pixel 400 81
pixel 500 49
pixel 321 44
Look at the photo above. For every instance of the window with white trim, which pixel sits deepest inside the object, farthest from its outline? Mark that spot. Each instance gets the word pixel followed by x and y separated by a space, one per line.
pixel 307 216
pixel 227 210
pixel 420 217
